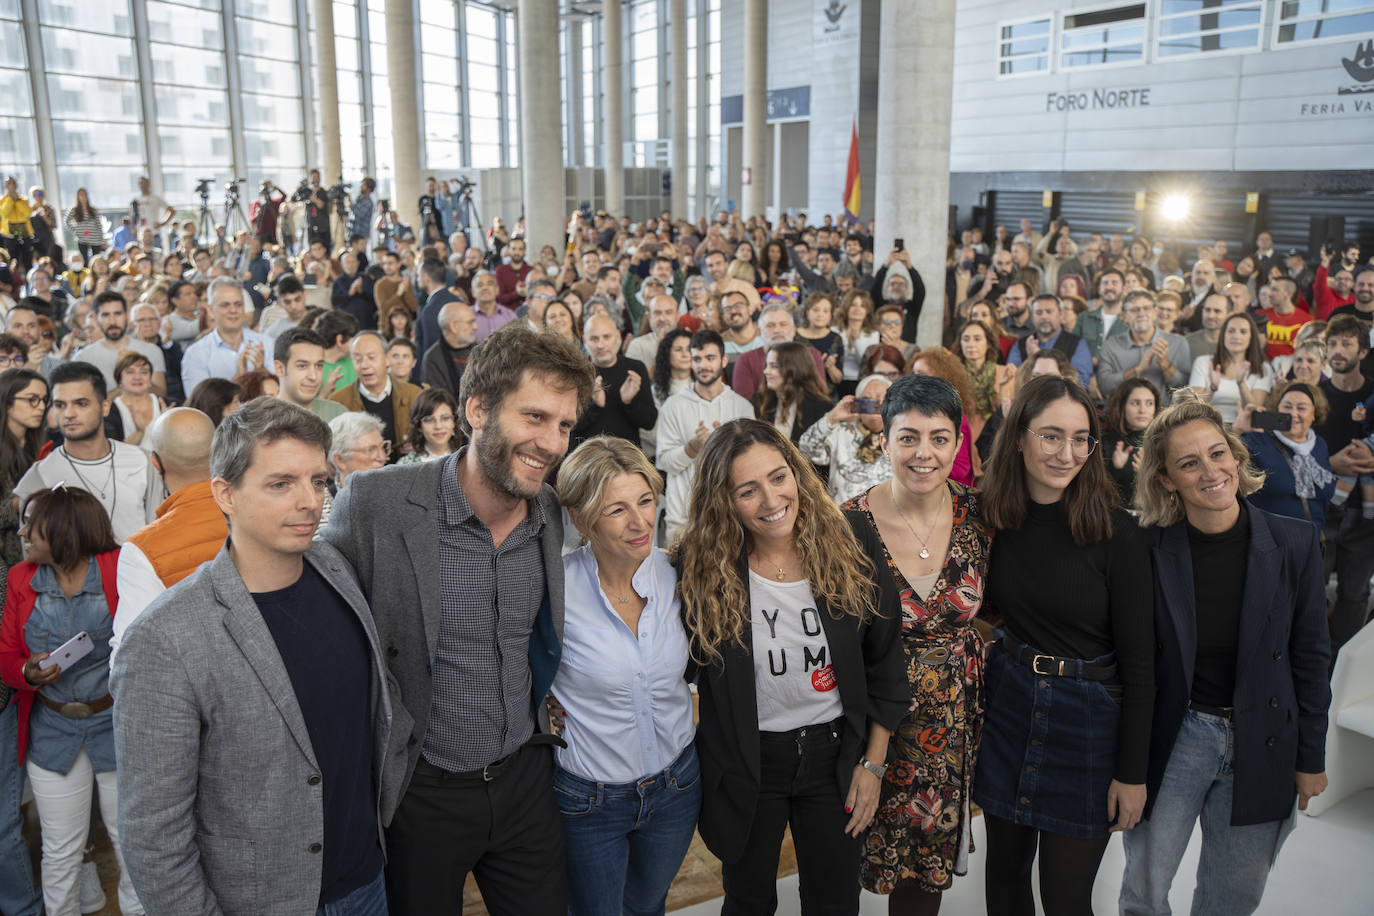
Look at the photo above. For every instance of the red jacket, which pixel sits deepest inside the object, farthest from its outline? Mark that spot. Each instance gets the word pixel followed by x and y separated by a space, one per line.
pixel 14 648
pixel 1327 301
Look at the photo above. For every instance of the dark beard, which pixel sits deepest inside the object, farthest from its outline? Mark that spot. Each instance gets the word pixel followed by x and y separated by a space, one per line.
pixel 494 456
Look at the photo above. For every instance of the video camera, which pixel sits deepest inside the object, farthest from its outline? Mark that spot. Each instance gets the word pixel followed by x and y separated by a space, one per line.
pixel 465 184
pixel 303 191
pixel 339 191
pixel 203 187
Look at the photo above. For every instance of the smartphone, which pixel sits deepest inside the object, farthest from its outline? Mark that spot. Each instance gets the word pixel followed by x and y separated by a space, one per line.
pixel 1271 419
pixel 70 652
pixel 867 405
pixel 899 244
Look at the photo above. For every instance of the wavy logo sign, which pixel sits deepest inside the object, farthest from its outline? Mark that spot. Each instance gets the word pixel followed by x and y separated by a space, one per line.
pixel 1360 66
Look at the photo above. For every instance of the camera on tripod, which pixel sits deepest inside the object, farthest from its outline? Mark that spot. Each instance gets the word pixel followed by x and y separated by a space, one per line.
pixel 203 187
pixel 339 191
pixel 465 184
pixel 231 189
pixel 303 191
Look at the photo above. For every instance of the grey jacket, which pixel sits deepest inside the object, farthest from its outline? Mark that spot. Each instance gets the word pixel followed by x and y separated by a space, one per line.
pixel 386 525
pixel 221 808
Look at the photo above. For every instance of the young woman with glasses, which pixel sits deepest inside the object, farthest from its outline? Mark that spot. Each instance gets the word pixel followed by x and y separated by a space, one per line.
pixel 1070 685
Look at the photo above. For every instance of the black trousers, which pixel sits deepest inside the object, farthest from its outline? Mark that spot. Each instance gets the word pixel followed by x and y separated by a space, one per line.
pixel 798 787
pixel 507 832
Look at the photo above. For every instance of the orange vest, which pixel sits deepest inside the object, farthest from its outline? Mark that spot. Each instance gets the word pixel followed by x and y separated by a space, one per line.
pixel 189 531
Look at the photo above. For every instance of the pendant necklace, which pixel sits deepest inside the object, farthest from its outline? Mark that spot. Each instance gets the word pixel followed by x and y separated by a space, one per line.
pixel 925 551
pixel 90 487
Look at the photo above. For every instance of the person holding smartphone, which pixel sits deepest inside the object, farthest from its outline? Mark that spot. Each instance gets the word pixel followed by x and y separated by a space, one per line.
pixel 1298 481
pixel 65 587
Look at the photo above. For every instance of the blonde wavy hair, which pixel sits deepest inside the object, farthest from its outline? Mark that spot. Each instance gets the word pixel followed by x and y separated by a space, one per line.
pixel 1159 506
pixel 715 599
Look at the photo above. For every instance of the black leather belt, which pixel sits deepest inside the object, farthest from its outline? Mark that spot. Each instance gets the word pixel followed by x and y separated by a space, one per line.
pixel 1054 666
pixel 1221 712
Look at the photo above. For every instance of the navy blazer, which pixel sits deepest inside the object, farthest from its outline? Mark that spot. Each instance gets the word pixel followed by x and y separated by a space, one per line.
pixel 870 670
pixel 1282 693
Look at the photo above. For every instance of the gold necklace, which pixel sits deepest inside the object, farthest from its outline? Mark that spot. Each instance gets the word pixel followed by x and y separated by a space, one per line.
pixel 925 551
pixel 607 592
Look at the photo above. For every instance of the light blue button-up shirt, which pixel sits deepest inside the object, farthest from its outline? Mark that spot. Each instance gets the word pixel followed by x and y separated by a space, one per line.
pixel 211 357
pixel 629 710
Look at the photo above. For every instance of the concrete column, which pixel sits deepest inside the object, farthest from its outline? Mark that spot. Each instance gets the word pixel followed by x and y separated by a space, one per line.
pixel 541 152
pixel 755 194
pixel 42 115
pixel 405 123
pixel 613 86
pixel 677 28
pixel 331 153
pixel 911 187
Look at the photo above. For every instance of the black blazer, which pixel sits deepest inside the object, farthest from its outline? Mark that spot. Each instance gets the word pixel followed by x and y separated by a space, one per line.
pixel 1282 693
pixel 870 667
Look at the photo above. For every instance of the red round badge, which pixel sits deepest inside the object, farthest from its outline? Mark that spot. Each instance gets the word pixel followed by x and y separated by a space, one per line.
pixel 823 679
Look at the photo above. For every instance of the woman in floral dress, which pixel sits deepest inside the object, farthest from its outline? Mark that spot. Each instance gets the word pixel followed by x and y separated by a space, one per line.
pixel 935 549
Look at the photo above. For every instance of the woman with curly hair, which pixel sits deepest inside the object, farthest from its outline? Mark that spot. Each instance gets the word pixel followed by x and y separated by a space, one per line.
pixel 858 322
pixel 934 548
pixel 792 396
pixel 801 673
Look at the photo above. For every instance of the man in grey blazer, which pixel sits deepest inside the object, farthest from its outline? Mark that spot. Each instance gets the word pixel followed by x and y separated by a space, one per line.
pixel 460 561
pixel 253 710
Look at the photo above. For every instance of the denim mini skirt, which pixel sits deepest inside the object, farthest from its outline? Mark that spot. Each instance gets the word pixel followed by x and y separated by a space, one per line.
pixel 1049 748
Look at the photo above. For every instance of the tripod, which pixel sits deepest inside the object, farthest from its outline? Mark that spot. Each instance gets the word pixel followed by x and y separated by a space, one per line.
pixel 205 227
pixel 468 216
pixel 234 220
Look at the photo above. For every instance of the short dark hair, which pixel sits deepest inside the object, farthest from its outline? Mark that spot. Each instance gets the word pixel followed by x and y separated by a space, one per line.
pixel 1110 271
pixel 130 358
pixel 72 521
pixel 212 396
pixel 498 364
pixel 281 350
pixel 424 405
pixel 288 284
pixel 928 395
pixel 109 296
pixel 80 372
pixel 333 324
pixel 706 337
pixel 434 271
pixel 1348 326
pixel 404 342
pixel 175 289
pixel 11 344
pixel 605 271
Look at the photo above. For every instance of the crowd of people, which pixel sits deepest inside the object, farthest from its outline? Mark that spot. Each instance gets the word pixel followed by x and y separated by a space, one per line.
pixel 338 576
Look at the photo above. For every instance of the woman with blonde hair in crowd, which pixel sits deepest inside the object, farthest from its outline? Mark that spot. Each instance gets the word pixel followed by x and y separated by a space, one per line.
pixel 792 396
pixel 934 551
pixel 941 363
pixel 1240 711
pixel 802 677
pixel 849 441
pixel 627 784
pixel 1070 684
pixel 857 320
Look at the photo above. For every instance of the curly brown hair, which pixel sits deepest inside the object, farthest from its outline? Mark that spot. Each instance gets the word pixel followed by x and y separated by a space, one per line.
pixel 941 363
pixel 715 599
pixel 799 381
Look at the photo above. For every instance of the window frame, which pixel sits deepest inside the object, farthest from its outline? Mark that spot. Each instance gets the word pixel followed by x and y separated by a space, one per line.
pixel 1049 53
pixel 1147 20
pixel 1160 17
pixel 1278 22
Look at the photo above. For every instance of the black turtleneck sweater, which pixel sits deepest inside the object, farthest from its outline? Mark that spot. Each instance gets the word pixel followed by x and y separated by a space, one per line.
pixel 1219 564
pixel 1083 601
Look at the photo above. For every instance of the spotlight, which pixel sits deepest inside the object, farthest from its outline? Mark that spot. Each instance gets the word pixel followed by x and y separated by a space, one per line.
pixel 1175 207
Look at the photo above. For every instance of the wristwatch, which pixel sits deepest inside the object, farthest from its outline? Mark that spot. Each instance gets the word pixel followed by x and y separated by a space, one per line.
pixel 875 769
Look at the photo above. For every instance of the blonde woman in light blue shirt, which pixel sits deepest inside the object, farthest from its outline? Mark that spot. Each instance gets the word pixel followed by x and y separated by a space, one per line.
pixel 628 783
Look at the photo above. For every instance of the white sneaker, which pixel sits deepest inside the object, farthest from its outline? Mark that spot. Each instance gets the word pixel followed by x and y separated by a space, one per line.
pixel 92 895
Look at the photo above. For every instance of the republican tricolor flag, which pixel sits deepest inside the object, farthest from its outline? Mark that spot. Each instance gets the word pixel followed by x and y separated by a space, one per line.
pixel 851 179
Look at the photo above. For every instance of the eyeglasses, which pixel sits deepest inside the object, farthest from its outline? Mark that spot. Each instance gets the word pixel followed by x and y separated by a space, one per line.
pixel 437 418
pixel 12 361
pixel 1053 443
pixel 373 451
pixel 34 400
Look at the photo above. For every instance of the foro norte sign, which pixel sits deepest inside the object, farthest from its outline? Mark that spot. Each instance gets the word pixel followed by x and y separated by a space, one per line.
pixel 1097 99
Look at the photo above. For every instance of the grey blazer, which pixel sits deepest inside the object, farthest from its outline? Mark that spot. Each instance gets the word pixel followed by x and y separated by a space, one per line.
pixel 386 525
pixel 221 810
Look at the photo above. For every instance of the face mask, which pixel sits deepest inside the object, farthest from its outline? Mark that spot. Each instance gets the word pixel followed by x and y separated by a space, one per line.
pixel 1159 250
pixel 967 265
pixel 551 270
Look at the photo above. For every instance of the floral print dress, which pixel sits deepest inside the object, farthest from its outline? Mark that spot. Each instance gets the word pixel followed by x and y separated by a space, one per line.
pixel 920 835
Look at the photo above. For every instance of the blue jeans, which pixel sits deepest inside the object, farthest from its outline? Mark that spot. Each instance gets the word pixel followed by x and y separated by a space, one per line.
pixel 626 842
pixel 1235 861
pixel 18 896
pixel 368 900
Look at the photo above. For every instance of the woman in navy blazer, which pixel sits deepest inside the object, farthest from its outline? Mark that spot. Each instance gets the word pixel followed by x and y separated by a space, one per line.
pixel 1241 668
